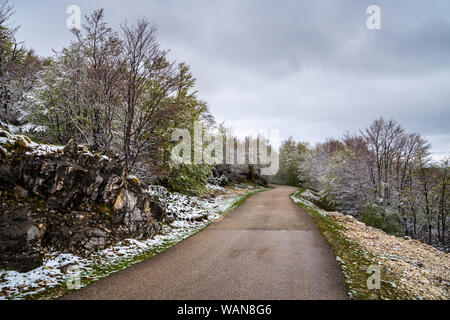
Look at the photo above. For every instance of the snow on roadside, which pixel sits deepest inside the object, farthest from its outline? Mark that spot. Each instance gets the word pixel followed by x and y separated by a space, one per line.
pixel 178 206
pixel 304 198
pixel 420 270
pixel 191 214
pixel 215 188
pixel 308 194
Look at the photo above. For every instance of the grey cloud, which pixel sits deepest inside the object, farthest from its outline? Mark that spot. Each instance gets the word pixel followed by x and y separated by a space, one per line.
pixel 310 68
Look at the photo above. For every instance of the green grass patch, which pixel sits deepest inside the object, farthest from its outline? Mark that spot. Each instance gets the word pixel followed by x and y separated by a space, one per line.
pixel 354 261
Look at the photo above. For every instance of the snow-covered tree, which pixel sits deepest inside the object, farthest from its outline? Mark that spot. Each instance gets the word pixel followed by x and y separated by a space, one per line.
pixel 18 72
pixel 385 177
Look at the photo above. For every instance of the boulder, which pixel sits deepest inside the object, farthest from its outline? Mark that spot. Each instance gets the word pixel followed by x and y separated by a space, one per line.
pixel 7 181
pixel 132 214
pixel 20 239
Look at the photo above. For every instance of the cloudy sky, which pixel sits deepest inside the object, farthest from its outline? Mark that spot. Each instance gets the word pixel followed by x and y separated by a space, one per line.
pixel 309 68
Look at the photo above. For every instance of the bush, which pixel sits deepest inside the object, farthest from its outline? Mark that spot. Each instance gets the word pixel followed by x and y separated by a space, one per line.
pixel 222 175
pixel 189 179
pixel 381 218
pixel 326 202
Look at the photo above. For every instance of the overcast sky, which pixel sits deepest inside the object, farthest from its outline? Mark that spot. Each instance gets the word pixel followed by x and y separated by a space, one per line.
pixel 309 68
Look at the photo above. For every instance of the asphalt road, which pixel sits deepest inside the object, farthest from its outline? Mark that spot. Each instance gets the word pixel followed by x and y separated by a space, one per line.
pixel 266 249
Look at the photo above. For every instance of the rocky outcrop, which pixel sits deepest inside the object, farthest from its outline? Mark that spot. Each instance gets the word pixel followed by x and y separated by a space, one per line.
pixel 68 198
pixel 132 213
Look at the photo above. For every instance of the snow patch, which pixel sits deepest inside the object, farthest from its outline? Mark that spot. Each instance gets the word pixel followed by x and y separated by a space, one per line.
pixel 36 148
pixel 302 198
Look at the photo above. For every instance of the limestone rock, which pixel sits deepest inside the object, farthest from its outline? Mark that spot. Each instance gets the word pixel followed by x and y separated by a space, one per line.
pixel 71 199
pixel 20 239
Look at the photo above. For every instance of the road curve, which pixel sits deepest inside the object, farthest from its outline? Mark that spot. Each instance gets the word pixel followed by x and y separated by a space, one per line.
pixel 266 249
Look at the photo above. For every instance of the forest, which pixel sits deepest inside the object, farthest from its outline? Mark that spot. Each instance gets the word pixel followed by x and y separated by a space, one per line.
pixel 383 175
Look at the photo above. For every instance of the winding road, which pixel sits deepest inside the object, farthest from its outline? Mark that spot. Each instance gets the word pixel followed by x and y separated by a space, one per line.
pixel 266 249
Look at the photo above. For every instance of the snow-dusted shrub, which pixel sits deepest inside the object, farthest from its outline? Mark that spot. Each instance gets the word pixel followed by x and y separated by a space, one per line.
pixel 189 179
pixel 381 218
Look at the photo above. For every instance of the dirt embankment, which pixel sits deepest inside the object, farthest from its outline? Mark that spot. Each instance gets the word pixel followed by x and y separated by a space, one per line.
pixel 420 269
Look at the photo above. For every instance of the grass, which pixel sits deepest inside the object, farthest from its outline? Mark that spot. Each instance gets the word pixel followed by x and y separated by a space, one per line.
pixel 353 260
pixel 102 271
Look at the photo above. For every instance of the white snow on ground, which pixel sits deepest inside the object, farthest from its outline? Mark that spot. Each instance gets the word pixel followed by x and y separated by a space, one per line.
pixel 302 198
pixel 213 187
pixel 23 128
pixel 37 149
pixel 308 194
pixel 185 210
pixel 178 206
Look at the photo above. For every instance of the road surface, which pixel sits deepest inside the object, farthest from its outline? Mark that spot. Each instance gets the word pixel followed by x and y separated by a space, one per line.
pixel 266 249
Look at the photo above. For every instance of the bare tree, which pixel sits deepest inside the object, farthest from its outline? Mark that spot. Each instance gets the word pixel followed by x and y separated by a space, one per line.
pixel 150 80
pixel 444 202
pixel 7 31
pixel 425 179
pixel 100 76
pixel 384 140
